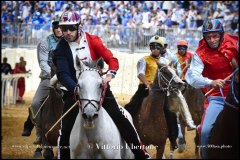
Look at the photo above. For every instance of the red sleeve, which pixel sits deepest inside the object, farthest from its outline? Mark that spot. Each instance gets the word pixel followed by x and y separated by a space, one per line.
pixel 101 51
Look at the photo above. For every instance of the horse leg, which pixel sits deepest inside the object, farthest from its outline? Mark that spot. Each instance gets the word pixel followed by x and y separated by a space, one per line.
pixel 181 135
pixel 38 152
pixel 47 150
pixel 160 151
pixel 197 144
pixel 181 140
pixel 48 153
pixel 171 151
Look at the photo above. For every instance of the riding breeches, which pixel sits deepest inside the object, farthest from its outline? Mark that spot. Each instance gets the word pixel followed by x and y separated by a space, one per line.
pixel 210 115
pixel 40 96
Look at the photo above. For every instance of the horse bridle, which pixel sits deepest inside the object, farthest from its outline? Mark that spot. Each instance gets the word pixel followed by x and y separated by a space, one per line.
pixel 167 82
pixel 90 101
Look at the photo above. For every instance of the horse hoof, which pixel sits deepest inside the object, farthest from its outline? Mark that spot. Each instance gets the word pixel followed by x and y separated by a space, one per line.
pixel 37 154
pixel 181 148
pixel 170 156
pixel 48 154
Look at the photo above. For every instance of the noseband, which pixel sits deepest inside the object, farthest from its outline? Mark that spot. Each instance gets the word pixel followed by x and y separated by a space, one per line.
pixel 90 101
pixel 167 82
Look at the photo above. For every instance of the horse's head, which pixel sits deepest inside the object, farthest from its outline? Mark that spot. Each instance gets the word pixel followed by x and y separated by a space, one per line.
pixel 167 77
pixel 90 89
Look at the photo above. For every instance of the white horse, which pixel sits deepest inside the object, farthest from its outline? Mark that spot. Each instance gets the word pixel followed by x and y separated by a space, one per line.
pixel 94 134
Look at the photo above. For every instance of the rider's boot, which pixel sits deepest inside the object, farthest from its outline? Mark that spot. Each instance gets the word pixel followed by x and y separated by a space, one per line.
pixel 28 126
pixel 185 113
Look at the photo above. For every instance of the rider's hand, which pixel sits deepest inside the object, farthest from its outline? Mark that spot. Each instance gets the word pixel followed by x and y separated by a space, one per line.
pixel 148 86
pixel 218 83
pixel 107 79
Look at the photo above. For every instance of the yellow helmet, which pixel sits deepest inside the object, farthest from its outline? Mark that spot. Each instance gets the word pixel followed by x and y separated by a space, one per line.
pixel 156 39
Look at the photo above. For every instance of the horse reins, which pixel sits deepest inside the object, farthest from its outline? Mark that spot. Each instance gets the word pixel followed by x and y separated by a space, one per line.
pixel 232 91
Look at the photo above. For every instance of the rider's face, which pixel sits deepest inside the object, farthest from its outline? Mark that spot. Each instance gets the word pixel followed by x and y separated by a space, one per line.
pixel 69 32
pixel 57 31
pixel 213 39
pixel 156 50
pixel 182 50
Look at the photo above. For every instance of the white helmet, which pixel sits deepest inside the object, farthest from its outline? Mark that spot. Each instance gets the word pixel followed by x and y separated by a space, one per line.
pixel 156 39
pixel 164 40
pixel 69 18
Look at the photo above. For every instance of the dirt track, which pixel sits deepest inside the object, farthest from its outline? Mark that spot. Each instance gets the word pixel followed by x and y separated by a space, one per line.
pixel 14 146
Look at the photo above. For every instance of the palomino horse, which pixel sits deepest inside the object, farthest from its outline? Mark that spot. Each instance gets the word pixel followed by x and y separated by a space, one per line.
pixel 224 137
pixel 94 134
pixel 195 100
pixel 150 120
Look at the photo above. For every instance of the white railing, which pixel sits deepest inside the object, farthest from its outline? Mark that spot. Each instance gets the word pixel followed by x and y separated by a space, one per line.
pixel 128 39
pixel 9 87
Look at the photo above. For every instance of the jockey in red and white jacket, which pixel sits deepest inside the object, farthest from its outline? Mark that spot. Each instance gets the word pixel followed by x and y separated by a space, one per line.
pixel 209 67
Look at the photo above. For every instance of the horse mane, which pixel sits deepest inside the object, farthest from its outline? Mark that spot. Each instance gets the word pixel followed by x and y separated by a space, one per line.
pixel 155 84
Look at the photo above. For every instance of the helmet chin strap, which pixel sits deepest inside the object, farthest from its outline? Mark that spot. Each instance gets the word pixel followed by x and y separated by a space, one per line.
pixel 76 36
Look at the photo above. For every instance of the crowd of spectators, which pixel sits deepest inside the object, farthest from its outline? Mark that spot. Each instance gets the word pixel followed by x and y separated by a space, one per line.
pixel 183 15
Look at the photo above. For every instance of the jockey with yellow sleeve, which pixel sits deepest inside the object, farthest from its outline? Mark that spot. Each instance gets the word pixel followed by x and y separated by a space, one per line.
pixel 208 69
pixel 146 70
pixel 184 58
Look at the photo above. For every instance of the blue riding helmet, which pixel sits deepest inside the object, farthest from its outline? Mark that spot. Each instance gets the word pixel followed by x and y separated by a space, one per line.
pixel 212 25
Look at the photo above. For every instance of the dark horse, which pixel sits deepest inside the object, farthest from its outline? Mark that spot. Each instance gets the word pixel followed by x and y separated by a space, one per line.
pixel 224 137
pixel 150 120
pixel 50 113
pixel 195 100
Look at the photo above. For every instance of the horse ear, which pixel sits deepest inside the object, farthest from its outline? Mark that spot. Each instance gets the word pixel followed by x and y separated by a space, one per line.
pixel 100 63
pixel 79 63
pixel 163 62
pixel 234 63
